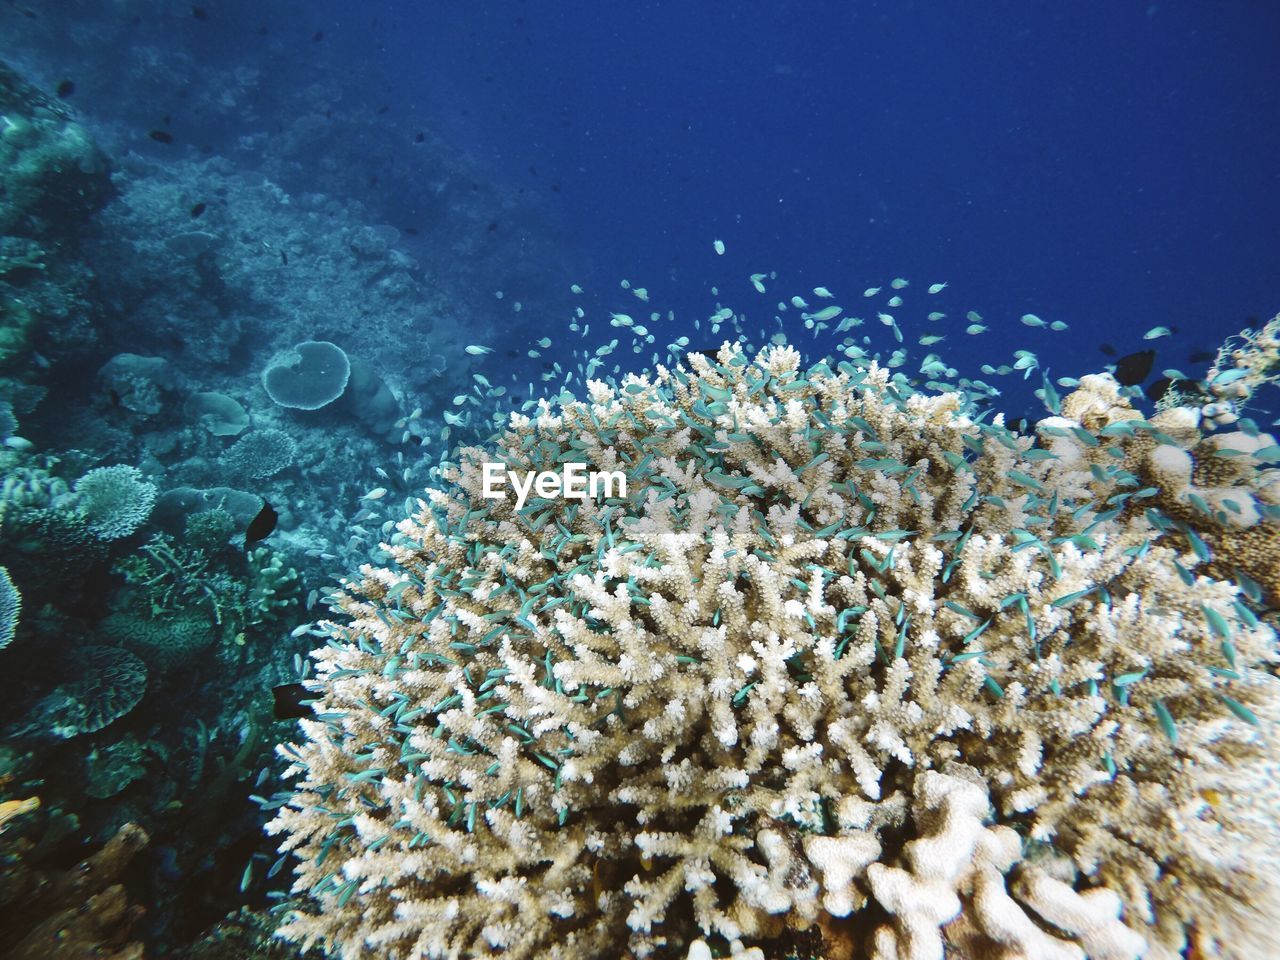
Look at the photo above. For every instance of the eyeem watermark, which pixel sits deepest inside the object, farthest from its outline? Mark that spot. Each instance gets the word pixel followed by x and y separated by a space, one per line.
pixel 574 482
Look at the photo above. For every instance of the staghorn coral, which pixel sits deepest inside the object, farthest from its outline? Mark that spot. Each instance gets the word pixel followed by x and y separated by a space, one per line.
pixel 840 658
pixel 183 595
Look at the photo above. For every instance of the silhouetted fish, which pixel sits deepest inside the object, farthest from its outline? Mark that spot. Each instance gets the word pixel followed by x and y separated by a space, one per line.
pixel 199 13
pixel 1107 349
pixel 284 258
pixel 198 209
pixel 1157 389
pixel 161 136
pixel 65 89
pixel 317 36
pixel 1133 369
pixel 260 527
pixel 1202 356
pixel 114 398
pixel 291 701
pixel 419 137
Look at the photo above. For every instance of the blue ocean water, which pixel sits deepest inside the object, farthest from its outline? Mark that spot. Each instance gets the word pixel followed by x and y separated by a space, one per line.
pixel 207 185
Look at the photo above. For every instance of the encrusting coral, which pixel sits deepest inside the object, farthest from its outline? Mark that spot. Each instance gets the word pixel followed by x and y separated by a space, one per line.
pixel 75 914
pixel 842 658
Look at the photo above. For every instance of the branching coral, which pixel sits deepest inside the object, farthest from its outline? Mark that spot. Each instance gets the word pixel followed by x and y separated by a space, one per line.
pixel 261 453
pixel 841 658
pixel 183 590
pixel 114 501
pixel 10 608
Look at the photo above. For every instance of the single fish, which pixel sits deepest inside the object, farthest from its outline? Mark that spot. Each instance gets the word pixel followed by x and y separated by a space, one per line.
pixel 260 527
pixel 1133 368
pixel 292 701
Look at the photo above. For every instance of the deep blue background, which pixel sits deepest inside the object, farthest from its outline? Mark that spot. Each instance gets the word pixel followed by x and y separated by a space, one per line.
pixel 1114 165
pixel 1110 164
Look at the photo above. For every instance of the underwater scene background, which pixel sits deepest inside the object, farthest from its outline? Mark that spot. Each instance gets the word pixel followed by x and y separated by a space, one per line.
pixel 936 344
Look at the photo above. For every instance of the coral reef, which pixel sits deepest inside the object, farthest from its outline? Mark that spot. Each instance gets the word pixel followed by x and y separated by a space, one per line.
pixel 261 453
pixel 221 415
pixel 184 596
pixel 114 501
pixel 841 658
pixel 10 608
pixel 82 913
pixel 138 383
pixel 109 682
pixel 311 375
pixel 54 179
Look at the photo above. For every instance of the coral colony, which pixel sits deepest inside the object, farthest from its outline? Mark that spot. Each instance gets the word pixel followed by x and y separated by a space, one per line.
pixel 738 656
pixel 846 662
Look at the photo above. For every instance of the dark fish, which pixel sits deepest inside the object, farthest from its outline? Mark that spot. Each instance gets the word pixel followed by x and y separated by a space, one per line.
pixel 284 258
pixel 262 30
pixel 198 209
pixel 1107 349
pixel 114 398
pixel 411 231
pixel 65 89
pixel 260 527
pixel 493 225
pixel 383 109
pixel 161 136
pixel 1019 424
pixel 292 701
pixel 415 439
pixel 555 188
pixel 419 137
pixel 199 13
pixel 1202 356
pixel 1133 369
pixel 317 36
pixel 1157 389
